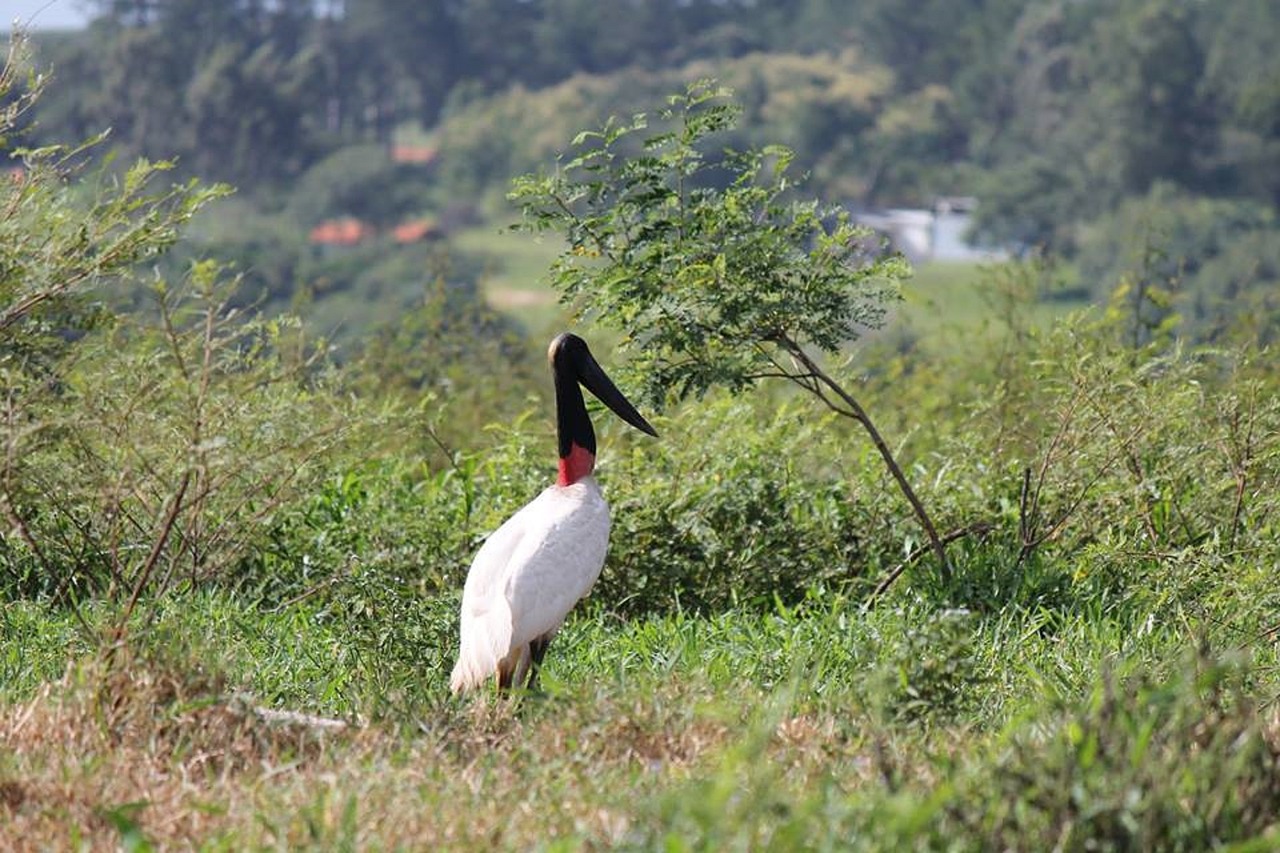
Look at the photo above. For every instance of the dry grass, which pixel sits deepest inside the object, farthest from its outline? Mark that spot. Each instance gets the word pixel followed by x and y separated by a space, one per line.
pixel 168 756
pixel 163 751
pixel 113 745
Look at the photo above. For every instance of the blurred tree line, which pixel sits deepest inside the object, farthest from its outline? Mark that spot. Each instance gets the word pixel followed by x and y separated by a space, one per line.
pixel 1070 120
pixel 1066 106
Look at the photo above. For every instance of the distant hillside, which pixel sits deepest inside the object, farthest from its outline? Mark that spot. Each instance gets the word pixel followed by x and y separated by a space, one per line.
pixel 1086 129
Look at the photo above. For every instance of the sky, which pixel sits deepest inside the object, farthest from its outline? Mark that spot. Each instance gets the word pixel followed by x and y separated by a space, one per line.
pixel 42 14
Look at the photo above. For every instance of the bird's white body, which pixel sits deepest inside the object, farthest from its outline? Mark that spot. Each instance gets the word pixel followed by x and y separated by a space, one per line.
pixel 527 577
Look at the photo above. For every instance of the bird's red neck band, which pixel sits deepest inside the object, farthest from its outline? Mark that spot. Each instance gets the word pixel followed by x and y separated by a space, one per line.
pixel 579 463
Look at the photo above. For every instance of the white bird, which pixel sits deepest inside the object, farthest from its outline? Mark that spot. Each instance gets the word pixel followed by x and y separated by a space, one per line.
pixel 530 572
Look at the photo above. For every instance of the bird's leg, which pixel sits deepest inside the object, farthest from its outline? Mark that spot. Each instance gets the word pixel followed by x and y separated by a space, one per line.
pixel 537 650
pixel 512 668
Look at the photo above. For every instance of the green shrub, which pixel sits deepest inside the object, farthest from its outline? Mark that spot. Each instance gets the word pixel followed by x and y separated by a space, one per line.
pixel 1186 763
pixel 1214 261
pixel 360 181
pixel 1141 764
pixel 170 445
pixel 933 668
pixel 735 507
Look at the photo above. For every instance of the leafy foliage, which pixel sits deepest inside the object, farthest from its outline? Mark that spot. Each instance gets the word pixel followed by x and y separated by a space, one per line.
pixel 933 669
pixel 706 266
pixel 160 458
pixel 63 244
pixel 748 519
pixel 1130 766
pixel 1213 261
pixel 708 285
pixel 142 451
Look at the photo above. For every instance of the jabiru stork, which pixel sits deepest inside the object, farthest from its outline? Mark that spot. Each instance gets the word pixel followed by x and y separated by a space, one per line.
pixel 530 572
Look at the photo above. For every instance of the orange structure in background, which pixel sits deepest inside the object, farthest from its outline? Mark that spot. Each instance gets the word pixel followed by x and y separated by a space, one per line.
pixel 415 230
pixel 347 231
pixel 419 154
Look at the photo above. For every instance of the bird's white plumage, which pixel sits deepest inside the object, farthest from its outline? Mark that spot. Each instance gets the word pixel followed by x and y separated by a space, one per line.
pixel 528 575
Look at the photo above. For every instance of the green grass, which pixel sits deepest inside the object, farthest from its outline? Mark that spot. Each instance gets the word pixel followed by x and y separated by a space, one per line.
pixel 514 279
pixel 829 652
pixel 823 726
pixel 966 297
pixel 956 297
pixel 945 292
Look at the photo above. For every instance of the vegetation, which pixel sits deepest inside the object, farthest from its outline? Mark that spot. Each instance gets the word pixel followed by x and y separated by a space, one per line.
pixel 1068 121
pixel 232 551
pixel 714 287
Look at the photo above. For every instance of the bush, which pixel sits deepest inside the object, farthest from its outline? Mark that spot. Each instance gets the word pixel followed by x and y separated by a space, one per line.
pixel 360 181
pixel 1213 262
pixel 1074 469
pixel 1186 763
pixel 932 669
pixel 734 507
pixel 167 449
pixel 1141 764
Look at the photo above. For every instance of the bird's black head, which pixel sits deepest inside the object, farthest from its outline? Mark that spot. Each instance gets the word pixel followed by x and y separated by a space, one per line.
pixel 572 363
pixel 567 352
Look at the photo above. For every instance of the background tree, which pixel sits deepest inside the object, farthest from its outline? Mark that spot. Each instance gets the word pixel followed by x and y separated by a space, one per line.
pixel 146 448
pixel 1054 114
pixel 63 246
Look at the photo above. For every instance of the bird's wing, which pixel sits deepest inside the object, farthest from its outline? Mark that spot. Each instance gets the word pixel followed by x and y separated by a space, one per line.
pixel 528 575
pixel 489 567
pixel 550 571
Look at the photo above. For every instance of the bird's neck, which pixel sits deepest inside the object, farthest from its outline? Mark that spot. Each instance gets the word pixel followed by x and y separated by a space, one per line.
pixel 578 464
pixel 573 428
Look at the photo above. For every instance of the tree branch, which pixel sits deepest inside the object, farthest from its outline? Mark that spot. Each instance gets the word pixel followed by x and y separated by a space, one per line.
pixel 157 547
pixel 982 528
pixel 856 412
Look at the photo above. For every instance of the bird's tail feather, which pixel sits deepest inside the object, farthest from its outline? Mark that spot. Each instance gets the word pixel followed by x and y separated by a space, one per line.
pixel 484 643
pixel 466 675
pixel 474 667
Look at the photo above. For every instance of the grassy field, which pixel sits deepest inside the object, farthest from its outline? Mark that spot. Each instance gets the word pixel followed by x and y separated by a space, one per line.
pixel 963 295
pixel 954 297
pixel 514 279
pixel 1101 672
pixel 822 727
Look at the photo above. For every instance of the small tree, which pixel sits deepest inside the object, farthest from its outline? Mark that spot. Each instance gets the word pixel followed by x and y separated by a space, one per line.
pixel 64 237
pixel 147 450
pixel 714 274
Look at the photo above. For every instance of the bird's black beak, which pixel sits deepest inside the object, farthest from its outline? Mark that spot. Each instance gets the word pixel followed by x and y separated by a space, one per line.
pixel 595 380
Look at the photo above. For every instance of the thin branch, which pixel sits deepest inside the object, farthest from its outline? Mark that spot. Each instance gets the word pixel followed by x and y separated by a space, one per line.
pixel 981 528
pixel 448 452
pixel 317 587
pixel 1240 458
pixel 157 547
pixel 775 374
pixel 1024 497
pixel 19 523
pixel 1033 513
pixel 94 266
pixel 859 414
pixel 1132 463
